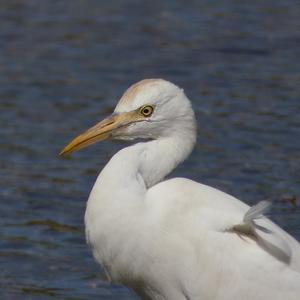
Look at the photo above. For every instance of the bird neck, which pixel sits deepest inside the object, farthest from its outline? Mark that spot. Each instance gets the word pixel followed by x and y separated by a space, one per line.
pixel 142 165
pixel 161 156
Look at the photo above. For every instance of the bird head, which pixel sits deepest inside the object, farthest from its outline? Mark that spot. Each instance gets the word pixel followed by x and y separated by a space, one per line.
pixel 150 109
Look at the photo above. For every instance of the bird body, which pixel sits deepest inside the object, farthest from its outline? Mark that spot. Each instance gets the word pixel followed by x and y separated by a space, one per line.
pixel 178 239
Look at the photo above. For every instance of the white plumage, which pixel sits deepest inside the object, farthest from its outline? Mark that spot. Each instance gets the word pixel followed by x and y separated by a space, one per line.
pixel 178 239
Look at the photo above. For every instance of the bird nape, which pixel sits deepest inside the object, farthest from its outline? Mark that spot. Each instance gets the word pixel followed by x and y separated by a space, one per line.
pixel 177 239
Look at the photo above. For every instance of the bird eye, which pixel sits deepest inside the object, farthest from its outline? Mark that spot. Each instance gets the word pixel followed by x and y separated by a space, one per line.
pixel 147 110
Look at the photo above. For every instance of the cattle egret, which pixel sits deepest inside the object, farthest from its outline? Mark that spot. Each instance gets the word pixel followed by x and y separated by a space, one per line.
pixel 177 239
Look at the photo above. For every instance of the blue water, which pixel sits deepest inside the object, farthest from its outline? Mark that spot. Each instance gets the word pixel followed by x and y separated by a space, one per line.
pixel 63 67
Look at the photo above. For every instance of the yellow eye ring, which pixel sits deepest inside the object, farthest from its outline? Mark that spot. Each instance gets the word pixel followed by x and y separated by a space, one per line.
pixel 147 110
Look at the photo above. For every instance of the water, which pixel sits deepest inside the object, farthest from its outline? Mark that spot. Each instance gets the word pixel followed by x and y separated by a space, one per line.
pixel 63 66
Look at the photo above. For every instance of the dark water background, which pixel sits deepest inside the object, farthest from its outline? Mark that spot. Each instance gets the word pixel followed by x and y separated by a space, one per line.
pixel 64 65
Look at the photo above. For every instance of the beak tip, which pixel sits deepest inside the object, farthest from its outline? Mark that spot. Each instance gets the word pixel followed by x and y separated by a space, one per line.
pixel 64 152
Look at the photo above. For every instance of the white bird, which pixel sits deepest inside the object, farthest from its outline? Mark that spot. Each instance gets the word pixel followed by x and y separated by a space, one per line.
pixel 177 239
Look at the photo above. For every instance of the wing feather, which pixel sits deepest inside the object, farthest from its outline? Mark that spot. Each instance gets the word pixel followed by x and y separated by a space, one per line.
pixel 270 236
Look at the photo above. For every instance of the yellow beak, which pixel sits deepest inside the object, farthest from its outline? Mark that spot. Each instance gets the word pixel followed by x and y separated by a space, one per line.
pixel 101 131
